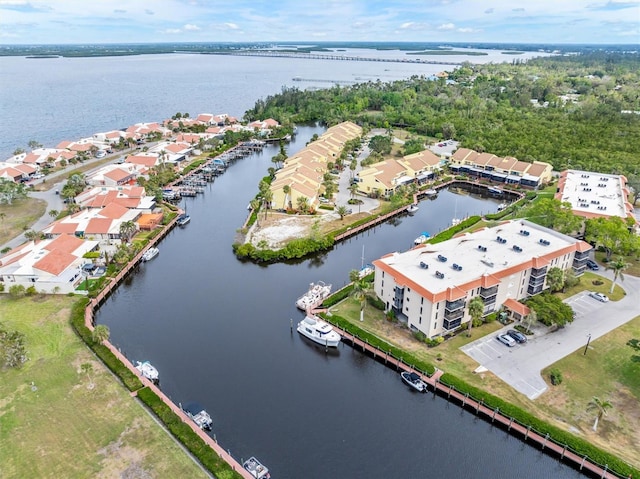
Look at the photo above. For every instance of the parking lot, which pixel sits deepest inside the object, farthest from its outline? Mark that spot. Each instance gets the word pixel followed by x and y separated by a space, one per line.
pixel 520 365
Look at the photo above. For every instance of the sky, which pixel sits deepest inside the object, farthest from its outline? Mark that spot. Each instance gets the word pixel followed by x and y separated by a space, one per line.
pixel 449 21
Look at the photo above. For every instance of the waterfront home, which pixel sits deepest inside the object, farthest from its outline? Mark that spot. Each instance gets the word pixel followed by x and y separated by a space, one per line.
pixel 141 131
pixel 94 223
pixel 430 286
pixel 143 161
pixel 595 195
pixel 50 265
pixel 507 170
pixel 263 127
pixel 172 152
pixel 131 197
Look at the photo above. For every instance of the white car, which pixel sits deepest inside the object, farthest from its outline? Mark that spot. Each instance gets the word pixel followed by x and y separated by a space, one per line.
pixel 506 340
pixel 599 296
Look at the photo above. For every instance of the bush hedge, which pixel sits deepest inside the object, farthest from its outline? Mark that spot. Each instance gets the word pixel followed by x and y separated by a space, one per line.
pixel 295 249
pixel 579 445
pixel 373 340
pixel 183 432
pixel 454 230
pixel 130 380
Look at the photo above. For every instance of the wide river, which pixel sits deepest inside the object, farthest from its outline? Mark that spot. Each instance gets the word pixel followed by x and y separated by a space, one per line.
pixel 219 330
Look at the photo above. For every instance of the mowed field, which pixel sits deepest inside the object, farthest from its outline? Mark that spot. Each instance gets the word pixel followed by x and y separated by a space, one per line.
pixel 57 420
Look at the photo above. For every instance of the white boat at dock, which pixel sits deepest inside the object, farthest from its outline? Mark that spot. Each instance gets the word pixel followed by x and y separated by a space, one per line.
pixel 413 208
pixel 317 293
pixel 431 192
pixel 147 370
pixel 424 236
pixel 150 254
pixel 199 415
pixel 413 380
pixel 256 468
pixel 317 330
pixel 183 220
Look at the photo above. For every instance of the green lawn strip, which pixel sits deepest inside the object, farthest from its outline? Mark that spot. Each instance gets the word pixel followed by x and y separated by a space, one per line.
pixel 183 432
pixel 346 316
pixel 586 282
pixel 53 424
pixel 19 217
pixel 633 260
pixel 130 380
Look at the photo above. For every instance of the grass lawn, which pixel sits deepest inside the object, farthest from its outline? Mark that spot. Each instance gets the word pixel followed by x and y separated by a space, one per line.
pixel 634 263
pixel 587 283
pixel 559 406
pixel 56 421
pixel 19 216
pixel 610 371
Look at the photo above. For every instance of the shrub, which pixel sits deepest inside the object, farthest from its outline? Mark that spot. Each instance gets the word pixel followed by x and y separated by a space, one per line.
pixel 91 254
pixel 375 302
pixel 556 376
pixel 419 335
pixel 31 291
pixel 16 291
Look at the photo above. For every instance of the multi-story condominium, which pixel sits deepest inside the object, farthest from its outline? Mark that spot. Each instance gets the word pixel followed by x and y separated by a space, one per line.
pixel 506 170
pixel 431 285
pixel 595 195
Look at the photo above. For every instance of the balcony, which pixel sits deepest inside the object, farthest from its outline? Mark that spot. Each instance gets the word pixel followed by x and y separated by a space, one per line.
pixel 488 292
pixel 451 324
pixel 537 273
pixel 454 305
pixel 454 315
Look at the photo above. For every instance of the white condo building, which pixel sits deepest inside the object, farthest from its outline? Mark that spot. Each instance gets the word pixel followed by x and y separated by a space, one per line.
pixel 430 286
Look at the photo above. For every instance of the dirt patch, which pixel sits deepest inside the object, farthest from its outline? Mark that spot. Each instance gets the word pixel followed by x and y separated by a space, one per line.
pixel 121 460
pixel 274 231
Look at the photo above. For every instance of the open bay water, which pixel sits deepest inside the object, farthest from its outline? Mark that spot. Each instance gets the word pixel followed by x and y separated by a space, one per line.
pixel 219 330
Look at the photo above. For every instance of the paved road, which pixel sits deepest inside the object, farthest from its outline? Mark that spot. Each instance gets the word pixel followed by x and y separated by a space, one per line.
pixel 521 365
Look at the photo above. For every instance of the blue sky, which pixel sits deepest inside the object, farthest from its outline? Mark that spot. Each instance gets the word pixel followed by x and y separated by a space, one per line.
pixel 516 21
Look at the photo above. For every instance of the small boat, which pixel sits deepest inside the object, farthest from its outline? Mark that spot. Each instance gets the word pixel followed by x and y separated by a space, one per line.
pixel 317 293
pixel 502 206
pixel 424 236
pixel 150 254
pixel 366 270
pixel 431 192
pixel 317 330
pixel 414 381
pixel 256 469
pixel 183 219
pixel 455 221
pixel 495 190
pixel 412 208
pixel 147 370
pixel 201 418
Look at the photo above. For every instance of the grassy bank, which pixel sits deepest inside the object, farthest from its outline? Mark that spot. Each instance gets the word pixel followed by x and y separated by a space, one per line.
pixel 19 216
pixel 58 421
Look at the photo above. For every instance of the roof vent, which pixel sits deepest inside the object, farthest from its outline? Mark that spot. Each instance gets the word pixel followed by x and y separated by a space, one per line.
pixel 439 275
pixel 544 242
pixel 457 267
pixel 442 259
pixel 482 248
pixel 524 233
pixel 487 262
pixel 517 248
pixel 424 265
pixel 501 240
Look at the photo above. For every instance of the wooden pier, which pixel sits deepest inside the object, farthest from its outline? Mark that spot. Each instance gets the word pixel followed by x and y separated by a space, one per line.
pixel 544 442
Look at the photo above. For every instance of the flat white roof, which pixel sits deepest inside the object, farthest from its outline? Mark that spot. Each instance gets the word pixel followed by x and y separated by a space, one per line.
pixel 596 193
pixel 468 252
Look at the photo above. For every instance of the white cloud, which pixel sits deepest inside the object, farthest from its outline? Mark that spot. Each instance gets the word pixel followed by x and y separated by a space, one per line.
pixel 469 30
pixel 191 27
pixel 319 34
pixel 446 26
pixel 172 31
pixel 231 26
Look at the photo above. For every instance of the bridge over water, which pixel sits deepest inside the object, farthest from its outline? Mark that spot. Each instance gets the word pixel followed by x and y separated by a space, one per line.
pixel 325 56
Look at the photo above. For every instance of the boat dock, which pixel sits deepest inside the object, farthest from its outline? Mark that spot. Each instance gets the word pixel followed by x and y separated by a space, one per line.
pixel 525 432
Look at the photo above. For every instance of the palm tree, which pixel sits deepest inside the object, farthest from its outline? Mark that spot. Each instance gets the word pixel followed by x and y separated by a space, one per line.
pixel 342 211
pixel 286 189
pixel 532 317
pixel 555 279
pixel 600 407
pixel 617 266
pixel 267 197
pixel 353 189
pixel 303 204
pixel 53 213
pixel 100 334
pixel 127 231
pixel 476 310
pixel 360 290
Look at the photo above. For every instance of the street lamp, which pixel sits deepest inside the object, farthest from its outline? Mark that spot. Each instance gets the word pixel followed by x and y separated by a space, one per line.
pixel 587 346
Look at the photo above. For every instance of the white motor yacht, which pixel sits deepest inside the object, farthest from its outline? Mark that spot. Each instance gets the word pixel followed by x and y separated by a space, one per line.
pixel 147 370
pixel 317 330
pixel 317 293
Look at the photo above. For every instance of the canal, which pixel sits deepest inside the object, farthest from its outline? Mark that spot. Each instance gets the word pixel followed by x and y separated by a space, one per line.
pixel 218 330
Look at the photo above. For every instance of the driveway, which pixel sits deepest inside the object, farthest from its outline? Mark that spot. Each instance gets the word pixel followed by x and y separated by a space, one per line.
pixel 521 365
pixel 343 195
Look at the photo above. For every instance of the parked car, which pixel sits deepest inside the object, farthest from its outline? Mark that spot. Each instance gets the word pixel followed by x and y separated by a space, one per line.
pixel 592 265
pixel 517 335
pixel 506 340
pixel 599 296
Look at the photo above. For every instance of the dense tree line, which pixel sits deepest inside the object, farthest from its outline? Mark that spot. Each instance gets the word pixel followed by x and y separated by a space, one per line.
pixel 575 121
